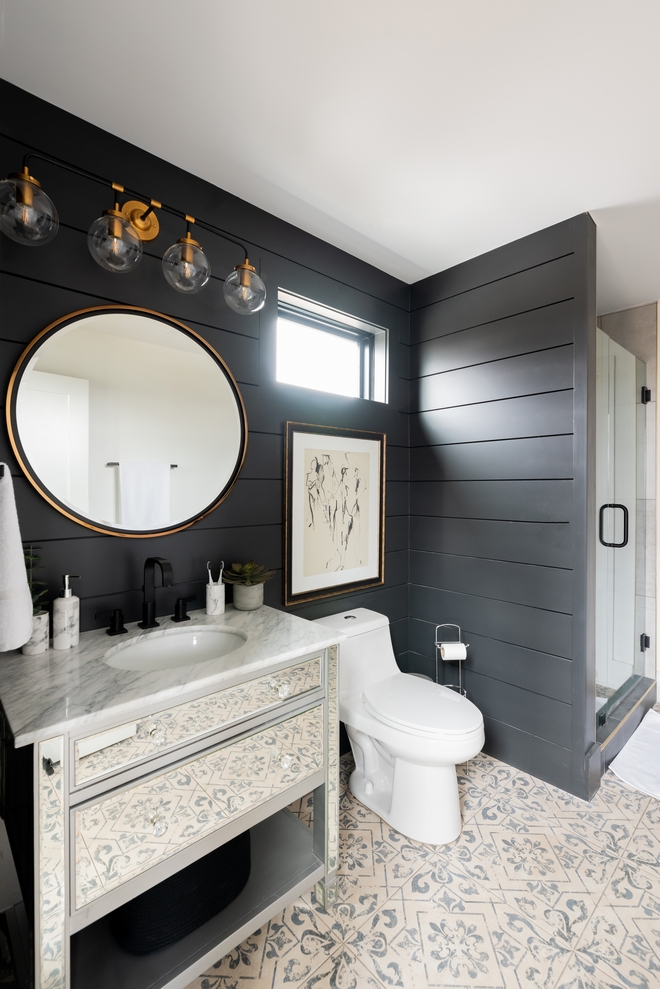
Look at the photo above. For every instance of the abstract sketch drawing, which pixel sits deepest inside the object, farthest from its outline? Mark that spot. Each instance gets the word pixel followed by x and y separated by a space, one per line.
pixel 336 526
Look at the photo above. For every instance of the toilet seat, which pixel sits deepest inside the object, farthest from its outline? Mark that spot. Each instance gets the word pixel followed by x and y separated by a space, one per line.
pixel 420 707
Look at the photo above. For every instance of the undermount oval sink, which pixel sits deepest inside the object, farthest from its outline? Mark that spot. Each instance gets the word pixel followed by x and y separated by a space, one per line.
pixel 175 647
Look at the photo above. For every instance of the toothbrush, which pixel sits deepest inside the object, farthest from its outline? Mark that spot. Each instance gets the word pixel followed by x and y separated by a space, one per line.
pixel 208 567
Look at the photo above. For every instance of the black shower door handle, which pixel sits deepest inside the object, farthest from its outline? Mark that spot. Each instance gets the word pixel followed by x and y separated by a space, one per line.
pixel 624 542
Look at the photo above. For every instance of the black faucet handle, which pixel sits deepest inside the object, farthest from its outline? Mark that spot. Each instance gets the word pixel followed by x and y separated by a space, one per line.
pixel 116 621
pixel 180 611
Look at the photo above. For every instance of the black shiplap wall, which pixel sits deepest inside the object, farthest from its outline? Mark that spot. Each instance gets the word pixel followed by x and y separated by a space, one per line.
pixel 37 286
pixel 501 518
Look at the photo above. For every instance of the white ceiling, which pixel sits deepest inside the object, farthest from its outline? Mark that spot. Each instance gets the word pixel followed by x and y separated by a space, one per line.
pixel 413 134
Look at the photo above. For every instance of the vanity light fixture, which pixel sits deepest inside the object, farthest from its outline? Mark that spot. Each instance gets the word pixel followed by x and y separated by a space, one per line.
pixel 244 291
pixel 185 265
pixel 27 214
pixel 113 241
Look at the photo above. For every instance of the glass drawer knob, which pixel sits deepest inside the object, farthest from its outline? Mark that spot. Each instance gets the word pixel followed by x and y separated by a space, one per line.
pixel 283 690
pixel 285 761
pixel 159 825
pixel 158 736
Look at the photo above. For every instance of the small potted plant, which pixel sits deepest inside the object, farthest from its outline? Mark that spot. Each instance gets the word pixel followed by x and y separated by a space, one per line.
pixel 38 641
pixel 248 581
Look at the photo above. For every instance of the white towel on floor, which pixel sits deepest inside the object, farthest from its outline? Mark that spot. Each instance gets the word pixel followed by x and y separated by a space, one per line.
pixel 15 598
pixel 638 762
pixel 144 491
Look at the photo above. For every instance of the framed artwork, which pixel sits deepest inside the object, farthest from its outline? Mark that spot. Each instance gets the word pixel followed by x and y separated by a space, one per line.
pixel 334 511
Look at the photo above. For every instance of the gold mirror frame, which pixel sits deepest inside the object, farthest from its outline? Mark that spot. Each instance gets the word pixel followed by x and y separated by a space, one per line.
pixel 19 453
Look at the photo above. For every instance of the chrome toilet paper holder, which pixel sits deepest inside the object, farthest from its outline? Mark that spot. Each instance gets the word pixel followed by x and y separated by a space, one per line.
pixel 438 646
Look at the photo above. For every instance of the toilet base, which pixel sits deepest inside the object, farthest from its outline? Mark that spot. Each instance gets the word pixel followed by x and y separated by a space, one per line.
pixel 423 803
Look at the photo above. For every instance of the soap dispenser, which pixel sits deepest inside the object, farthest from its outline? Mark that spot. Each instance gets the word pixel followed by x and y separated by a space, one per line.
pixel 66 616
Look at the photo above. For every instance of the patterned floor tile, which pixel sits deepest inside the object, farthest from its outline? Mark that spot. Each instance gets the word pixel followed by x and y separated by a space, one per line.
pixel 286 951
pixel 620 945
pixel 479 942
pixel 613 799
pixel 519 803
pixel 644 848
pixel 551 877
pixel 374 862
pixel 357 901
pixel 582 973
pixel 541 891
pixel 304 809
pixel 598 830
pixel 341 971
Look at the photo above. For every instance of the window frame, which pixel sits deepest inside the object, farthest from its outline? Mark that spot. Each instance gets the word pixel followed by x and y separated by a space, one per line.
pixel 371 339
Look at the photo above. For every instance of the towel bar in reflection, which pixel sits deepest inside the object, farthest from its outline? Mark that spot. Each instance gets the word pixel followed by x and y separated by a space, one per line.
pixel 115 463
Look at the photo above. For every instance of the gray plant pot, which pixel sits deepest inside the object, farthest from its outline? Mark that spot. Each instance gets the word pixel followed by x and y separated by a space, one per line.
pixel 248 597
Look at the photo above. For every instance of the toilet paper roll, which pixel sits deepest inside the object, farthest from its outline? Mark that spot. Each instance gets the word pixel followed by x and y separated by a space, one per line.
pixel 453 650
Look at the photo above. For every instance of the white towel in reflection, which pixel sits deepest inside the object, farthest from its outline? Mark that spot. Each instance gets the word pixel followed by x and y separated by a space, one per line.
pixel 144 491
pixel 15 600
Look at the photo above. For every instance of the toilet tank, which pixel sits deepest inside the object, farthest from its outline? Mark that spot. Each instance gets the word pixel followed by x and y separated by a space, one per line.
pixel 367 655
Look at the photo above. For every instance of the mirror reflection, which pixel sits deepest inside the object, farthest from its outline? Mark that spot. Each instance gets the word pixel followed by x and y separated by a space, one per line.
pixel 129 420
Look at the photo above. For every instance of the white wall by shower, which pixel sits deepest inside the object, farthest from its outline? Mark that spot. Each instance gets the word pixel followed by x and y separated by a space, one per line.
pixel 637 330
pixel 620 474
pixel 150 403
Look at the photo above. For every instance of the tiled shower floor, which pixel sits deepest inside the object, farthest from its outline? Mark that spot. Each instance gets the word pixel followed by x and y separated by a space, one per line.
pixel 541 891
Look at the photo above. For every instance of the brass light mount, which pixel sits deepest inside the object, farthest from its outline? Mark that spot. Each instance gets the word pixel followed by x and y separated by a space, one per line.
pixel 244 270
pixel 187 243
pixel 26 185
pixel 141 217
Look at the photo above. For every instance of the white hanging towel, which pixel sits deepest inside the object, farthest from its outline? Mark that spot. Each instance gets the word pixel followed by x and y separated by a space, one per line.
pixel 144 491
pixel 15 599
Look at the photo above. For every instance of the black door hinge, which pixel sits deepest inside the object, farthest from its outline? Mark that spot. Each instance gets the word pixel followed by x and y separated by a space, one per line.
pixel 646 395
pixel 644 642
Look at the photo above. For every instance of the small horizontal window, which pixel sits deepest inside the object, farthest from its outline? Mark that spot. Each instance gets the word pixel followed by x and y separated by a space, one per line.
pixel 323 349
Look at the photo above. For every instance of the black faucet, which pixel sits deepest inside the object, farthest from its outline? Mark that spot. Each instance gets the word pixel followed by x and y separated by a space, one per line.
pixel 149 588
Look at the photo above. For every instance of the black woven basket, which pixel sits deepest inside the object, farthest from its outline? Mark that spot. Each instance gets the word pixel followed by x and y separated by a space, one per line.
pixel 185 901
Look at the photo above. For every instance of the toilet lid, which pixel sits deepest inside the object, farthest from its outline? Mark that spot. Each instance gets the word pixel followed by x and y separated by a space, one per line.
pixel 421 707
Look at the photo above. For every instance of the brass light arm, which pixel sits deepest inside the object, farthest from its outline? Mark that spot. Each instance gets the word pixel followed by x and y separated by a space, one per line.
pixel 143 217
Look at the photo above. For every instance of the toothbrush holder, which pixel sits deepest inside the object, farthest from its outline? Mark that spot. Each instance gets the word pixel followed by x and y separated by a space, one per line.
pixel 215 598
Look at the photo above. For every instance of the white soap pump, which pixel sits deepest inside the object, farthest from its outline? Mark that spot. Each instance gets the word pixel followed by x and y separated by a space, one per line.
pixel 66 616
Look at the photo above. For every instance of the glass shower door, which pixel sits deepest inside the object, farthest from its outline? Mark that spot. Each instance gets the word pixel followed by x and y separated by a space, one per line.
pixel 620 486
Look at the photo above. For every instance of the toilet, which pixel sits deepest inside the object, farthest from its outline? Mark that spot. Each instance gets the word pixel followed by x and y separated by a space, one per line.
pixel 407 734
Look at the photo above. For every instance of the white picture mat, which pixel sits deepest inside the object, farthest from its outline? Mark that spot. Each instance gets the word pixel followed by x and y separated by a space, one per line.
pixel 342 444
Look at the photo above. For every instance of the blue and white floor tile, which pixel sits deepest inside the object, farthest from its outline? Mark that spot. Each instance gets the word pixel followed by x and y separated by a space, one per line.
pixel 541 891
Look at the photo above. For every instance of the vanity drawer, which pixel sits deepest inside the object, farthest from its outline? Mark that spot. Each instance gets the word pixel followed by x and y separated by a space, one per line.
pixel 128 832
pixel 106 752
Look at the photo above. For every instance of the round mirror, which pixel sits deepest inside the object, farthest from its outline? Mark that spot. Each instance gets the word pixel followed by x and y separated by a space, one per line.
pixel 126 421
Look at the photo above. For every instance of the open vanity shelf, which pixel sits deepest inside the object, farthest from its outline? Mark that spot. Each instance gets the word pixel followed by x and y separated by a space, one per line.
pixel 283 866
pixel 138 776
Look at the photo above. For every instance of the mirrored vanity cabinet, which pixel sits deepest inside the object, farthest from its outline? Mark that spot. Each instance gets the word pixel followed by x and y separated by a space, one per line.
pixel 126 775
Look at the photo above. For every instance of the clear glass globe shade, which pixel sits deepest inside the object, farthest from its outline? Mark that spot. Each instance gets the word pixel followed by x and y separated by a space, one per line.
pixel 186 267
pixel 114 244
pixel 244 291
pixel 27 215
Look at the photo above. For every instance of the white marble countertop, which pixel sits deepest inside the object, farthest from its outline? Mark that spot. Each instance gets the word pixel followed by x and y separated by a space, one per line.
pixel 62 691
